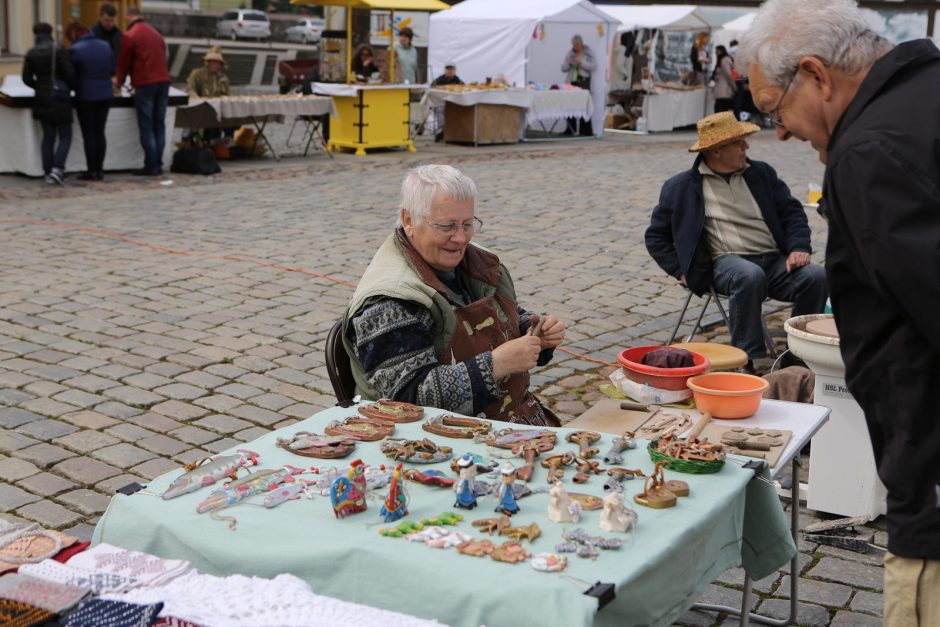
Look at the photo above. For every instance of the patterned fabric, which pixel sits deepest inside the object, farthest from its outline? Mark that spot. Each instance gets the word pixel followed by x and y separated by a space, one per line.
pixel 146 569
pixel 172 621
pixel 98 582
pixel 48 595
pixel 18 614
pixel 98 612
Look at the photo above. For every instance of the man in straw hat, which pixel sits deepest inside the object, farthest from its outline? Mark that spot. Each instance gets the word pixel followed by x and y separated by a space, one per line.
pixel 870 110
pixel 732 223
pixel 209 81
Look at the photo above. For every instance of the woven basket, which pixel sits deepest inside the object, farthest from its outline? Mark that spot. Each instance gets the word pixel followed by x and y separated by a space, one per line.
pixel 692 467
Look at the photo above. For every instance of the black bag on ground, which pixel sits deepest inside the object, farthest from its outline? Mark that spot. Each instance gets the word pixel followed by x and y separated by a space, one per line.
pixel 195 160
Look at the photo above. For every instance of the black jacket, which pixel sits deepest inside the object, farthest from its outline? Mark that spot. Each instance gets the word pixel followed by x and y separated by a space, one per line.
pixel 37 73
pixel 676 235
pixel 113 37
pixel 882 194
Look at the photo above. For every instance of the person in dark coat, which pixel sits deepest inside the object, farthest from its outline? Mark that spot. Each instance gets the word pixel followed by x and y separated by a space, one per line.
pixel 94 63
pixel 732 223
pixel 871 112
pixel 48 70
pixel 106 29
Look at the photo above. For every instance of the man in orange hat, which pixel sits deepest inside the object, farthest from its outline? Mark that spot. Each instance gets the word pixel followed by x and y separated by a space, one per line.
pixel 732 223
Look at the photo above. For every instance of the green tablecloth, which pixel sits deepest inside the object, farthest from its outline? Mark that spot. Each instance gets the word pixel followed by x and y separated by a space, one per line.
pixel 674 554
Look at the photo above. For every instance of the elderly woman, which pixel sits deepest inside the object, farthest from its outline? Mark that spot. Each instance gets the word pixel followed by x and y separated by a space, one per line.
pixel 434 320
pixel 578 66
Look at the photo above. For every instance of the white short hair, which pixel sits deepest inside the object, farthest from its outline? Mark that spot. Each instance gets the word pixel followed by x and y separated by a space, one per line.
pixel 784 31
pixel 422 183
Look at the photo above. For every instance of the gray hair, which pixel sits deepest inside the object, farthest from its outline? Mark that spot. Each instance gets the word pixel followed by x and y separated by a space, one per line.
pixel 784 31
pixel 577 39
pixel 422 183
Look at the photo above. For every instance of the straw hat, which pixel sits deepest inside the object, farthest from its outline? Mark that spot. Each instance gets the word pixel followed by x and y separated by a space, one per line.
pixel 214 54
pixel 721 129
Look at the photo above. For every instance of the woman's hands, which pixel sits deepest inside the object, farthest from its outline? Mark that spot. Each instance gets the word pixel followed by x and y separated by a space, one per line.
pixel 522 354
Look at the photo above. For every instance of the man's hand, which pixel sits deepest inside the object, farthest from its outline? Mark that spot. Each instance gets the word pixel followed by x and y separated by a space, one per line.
pixel 552 333
pixel 797 259
pixel 515 356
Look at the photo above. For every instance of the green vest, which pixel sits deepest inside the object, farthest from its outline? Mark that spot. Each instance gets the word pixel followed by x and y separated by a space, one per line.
pixel 390 274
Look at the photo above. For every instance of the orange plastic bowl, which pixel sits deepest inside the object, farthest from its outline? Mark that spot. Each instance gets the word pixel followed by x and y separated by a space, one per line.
pixel 663 378
pixel 728 395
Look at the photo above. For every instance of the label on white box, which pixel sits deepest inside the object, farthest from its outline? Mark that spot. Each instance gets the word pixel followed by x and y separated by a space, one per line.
pixel 834 390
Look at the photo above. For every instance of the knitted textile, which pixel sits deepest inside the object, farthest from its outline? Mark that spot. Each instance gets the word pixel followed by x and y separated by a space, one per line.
pixel 240 601
pixel 172 621
pixel 98 612
pixel 147 570
pixel 25 545
pixel 18 614
pixel 48 595
pixel 98 582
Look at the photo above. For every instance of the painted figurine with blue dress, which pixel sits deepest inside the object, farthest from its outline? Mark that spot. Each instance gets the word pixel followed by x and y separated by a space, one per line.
pixel 465 488
pixel 506 495
pixel 396 503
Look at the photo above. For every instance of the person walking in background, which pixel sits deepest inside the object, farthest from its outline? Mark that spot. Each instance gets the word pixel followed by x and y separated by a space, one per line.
pixel 407 56
pixel 106 29
pixel 870 110
pixel 143 59
pixel 700 59
pixel 578 65
pixel 48 70
pixel 94 65
pixel 723 77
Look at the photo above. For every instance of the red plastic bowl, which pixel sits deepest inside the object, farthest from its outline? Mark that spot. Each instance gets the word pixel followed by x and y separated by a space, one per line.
pixel 662 378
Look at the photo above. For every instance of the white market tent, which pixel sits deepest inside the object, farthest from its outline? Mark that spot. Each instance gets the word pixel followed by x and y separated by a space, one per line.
pixel 660 16
pixel 524 40
pixel 740 24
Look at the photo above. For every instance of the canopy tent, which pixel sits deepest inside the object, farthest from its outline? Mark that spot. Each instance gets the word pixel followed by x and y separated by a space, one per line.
pixel 661 16
pixel 733 29
pixel 523 40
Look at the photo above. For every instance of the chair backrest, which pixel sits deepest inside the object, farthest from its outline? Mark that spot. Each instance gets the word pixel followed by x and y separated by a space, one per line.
pixel 337 364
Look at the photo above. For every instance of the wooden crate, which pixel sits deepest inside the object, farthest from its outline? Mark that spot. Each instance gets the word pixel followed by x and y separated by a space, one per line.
pixel 482 123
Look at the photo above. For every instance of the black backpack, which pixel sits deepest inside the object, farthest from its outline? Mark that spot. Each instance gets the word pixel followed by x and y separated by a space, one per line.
pixel 195 160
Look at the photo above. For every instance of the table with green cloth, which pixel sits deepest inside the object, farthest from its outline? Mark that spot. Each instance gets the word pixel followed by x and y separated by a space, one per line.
pixel 727 520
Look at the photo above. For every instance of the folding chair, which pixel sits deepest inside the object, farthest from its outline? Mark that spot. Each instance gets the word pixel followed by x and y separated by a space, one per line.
pixel 313 129
pixel 713 295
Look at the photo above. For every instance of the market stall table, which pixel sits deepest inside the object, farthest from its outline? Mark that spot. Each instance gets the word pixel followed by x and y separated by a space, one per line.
pixel 656 577
pixel 21 136
pixel 369 116
pixel 674 108
pixel 559 104
pixel 235 111
pixel 802 419
pixel 483 115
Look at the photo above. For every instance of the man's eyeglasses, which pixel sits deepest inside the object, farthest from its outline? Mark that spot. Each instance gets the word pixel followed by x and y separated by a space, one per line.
pixel 773 118
pixel 471 227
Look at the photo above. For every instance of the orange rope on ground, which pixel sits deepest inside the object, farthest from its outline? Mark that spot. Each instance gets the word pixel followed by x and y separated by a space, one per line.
pixel 188 253
pixel 173 251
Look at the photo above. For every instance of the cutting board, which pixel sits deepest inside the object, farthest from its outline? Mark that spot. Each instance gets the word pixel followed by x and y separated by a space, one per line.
pixel 713 432
pixel 607 417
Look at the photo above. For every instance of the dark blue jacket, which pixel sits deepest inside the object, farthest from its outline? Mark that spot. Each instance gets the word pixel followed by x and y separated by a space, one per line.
pixel 93 61
pixel 676 235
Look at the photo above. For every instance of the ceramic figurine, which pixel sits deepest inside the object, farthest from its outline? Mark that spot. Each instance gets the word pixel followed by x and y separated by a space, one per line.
pixel 561 507
pixel 505 494
pixel 348 494
pixel 396 503
pixel 465 489
pixel 617 518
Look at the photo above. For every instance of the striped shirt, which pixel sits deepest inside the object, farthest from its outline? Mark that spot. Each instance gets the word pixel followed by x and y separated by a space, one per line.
pixel 734 224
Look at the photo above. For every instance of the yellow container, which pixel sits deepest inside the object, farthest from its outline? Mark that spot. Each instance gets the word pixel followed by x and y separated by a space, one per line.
pixel 372 118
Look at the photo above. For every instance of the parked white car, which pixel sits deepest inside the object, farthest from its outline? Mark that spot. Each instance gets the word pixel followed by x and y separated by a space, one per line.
pixel 245 24
pixel 306 30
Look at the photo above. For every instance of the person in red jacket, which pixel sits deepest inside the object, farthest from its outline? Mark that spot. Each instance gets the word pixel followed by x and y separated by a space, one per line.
pixel 143 58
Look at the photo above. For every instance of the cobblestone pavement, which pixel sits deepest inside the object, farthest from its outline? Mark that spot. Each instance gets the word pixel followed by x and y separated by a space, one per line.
pixel 148 323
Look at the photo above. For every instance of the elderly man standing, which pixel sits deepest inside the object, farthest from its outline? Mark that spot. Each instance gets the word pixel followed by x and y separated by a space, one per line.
pixel 872 112
pixel 434 320
pixel 732 223
pixel 143 58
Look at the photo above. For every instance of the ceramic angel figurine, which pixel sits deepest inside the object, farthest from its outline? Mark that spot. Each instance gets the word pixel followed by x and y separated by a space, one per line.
pixel 617 518
pixel 507 497
pixel 561 507
pixel 466 492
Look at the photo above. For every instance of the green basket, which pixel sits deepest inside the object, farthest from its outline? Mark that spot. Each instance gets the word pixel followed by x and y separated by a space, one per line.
pixel 692 467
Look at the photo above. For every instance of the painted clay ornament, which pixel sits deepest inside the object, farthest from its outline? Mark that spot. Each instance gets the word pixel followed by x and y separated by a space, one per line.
pixel 549 562
pixel 588 502
pixel 530 451
pixel 492 525
pixel 456 426
pixel 510 552
pixel 659 493
pixel 310 444
pixel 584 440
pixel 507 497
pixel 366 429
pixel 466 492
pixel 510 438
pixel 392 411
pixel 396 503
pixel 429 477
pixel 476 548
pixel 616 517
pixel 561 508
pixel 422 451
pixel 348 494
pixel 615 455
pixel 210 470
